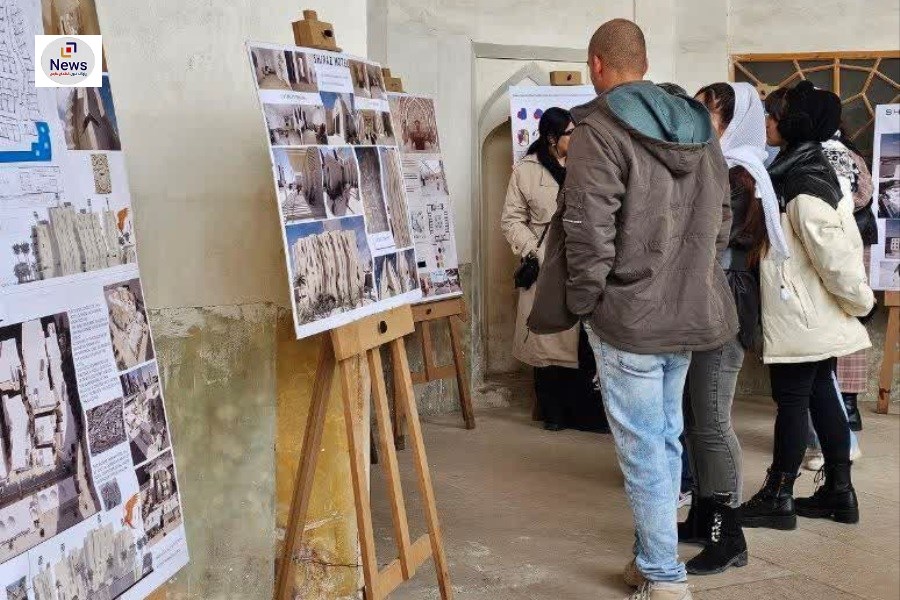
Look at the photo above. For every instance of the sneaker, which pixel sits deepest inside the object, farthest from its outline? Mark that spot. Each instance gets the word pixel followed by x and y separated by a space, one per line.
pixel 855 454
pixel 633 576
pixel 813 460
pixel 684 498
pixel 657 590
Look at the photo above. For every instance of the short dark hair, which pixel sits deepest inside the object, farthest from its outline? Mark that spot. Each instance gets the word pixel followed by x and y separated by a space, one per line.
pixel 672 88
pixel 719 98
pixel 620 44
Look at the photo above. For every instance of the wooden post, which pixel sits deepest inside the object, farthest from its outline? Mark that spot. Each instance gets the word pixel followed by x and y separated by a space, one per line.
pixel 453 312
pixel 891 355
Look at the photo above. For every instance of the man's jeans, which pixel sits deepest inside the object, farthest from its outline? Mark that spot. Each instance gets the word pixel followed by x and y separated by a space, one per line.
pixel 643 397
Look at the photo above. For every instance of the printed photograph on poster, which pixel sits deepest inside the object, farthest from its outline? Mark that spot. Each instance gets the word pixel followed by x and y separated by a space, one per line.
pixel 340 177
pixel 360 78
pixel 271 68
pixel 375 128
pixel 296 124
pixel 71 17
pixel 298 182
pixel 892 239
pixel 301 72
pixel 160 505
pixel 398 209
pixel 18 590
pixel 145 414
pixel 372 192
pixel 128 324
pixel 52 234
pixel 46 484
pixel 415 118
pixel 439 282
pixel 106 426
pixel 340 119
pixel 889 177
pixel 88 117
pixel 97 560
pixel 395 274
pixel 331 267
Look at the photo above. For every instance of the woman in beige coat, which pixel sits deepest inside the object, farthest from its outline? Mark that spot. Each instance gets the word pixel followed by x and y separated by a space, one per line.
pixel 561 386
pixel 814 292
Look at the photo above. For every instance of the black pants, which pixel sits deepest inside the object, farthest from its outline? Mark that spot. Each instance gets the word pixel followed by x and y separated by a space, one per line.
pixel 567 396
pixel 798 388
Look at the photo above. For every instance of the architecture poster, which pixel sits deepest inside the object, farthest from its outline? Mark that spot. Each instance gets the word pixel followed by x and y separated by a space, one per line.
pixel 884 270
pixel 430 207
pixel 528 102
pixel 344 209
pixel 89 501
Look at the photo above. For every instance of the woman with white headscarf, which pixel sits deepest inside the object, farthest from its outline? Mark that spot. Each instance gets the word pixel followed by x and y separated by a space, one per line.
pixel 715 453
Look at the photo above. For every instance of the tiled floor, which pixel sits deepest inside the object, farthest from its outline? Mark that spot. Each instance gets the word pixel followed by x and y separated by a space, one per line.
pixel 531 515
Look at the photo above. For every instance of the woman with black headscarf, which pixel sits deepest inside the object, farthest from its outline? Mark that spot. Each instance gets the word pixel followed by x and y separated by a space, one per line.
pixel 563 364
pixel 812 298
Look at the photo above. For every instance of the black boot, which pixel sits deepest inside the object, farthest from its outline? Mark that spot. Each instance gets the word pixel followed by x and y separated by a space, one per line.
pixel 835 499
pixel 695 529
pixel 727 546
pixel 546 386
pixel 853 414
pixel 773 506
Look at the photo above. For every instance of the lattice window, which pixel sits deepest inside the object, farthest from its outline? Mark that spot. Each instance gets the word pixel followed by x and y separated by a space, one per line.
pixel 863 80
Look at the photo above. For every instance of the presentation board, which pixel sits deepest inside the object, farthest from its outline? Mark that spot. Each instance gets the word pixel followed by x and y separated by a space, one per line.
pixel 89 498
pixel 341 198
pixel 885 265
pixel 430 208
pixel 528 102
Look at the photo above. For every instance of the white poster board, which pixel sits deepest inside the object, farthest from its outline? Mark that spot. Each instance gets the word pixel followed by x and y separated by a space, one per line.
pixel 885 266
pixel 89 498
pixel 339 185
pixel 528 102
pixel 430 208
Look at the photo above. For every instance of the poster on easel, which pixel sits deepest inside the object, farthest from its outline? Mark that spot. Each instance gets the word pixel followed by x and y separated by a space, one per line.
pixel 885 264
pixel 527 104
pixel 430 207
pixel 339 185
pixel 90 505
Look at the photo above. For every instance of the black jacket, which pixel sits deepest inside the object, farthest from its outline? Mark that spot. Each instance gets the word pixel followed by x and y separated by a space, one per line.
pixel 804 169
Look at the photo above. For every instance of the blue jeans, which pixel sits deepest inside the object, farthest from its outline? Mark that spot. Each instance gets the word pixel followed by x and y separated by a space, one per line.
pixel 643 398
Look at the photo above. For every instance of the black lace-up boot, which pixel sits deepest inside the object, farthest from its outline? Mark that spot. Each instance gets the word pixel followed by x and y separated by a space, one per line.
pixel 835 497
pixel 773 506
pixel 726 546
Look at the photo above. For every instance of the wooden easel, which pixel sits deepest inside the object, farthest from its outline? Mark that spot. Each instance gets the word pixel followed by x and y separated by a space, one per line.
pixel 341 348
pixel 891 352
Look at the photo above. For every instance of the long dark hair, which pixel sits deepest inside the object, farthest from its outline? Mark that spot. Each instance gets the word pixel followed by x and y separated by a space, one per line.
pixel 718 98
pixel 552 126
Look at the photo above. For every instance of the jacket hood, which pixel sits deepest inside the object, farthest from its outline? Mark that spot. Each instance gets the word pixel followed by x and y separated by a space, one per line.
pixel 675 129
pixel 804 169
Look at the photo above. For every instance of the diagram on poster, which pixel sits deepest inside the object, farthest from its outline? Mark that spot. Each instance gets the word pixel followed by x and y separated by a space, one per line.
pixel 344 210
pixel 885 264
pixel 527 104
pixel 431 210
pixel 89 501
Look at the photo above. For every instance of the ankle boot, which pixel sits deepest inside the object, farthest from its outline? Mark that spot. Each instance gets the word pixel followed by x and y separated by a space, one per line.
pixel 853 414
pixel 834 499
pixel 695 529
pixel 727 546
pixel 773 506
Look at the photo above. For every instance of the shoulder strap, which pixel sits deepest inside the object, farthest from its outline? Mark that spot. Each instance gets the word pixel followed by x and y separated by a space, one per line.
pixel 543 235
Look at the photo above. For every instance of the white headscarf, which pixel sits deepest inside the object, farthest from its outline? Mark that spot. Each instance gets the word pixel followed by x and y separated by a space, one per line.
pixel 744 145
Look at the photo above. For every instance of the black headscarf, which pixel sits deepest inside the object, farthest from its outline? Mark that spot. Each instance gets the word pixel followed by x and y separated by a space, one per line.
pixel 810 117
pixel 553 125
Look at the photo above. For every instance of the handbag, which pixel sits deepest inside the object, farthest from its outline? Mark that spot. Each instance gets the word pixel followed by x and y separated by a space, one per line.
pixel 529 268
pixel 865 222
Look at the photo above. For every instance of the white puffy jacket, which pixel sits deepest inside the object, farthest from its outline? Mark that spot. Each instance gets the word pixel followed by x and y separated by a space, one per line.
pixel 810 302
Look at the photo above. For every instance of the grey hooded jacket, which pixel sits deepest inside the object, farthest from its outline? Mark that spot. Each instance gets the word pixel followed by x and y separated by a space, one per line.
pixel 644 209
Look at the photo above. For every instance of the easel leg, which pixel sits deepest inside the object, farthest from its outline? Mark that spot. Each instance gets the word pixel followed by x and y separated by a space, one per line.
pixel 465 398
pixel 891 357
pixel 404 389
pixel 306 468
pixel 360 483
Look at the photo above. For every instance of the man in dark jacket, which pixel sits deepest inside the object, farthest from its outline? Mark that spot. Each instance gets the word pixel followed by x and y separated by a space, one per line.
pixel 644 209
